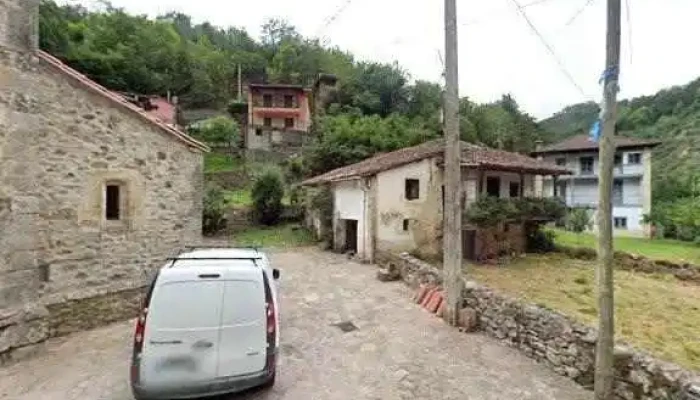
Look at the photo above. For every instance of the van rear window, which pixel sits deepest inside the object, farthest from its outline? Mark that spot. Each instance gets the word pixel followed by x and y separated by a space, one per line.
pixel 186 305
pixel 244 303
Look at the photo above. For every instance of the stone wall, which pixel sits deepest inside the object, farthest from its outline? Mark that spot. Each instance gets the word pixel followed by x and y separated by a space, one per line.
pixel 555 340
pixel 630 262
pixel 60 144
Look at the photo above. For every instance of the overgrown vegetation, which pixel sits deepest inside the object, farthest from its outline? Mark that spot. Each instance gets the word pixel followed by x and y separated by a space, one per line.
pixel 578 220
pixel 283 235
pixel 218 130
pixel 490 211
pixel 656 313
pixel 267 194
pixel 214 211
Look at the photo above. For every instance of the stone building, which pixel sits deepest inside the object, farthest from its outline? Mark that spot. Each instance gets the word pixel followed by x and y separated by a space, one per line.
pixel 94 193
pixel 394 202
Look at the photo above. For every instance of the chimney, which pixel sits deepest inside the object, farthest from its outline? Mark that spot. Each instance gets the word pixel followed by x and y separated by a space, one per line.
pixel 19 25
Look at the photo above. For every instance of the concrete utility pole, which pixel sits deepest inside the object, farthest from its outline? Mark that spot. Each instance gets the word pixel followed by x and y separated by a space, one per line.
pixel 452 237
pixel 604 374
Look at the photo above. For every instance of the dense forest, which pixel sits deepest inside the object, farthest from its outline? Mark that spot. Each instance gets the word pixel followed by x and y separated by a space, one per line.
pixel 673 116
pixel 378 107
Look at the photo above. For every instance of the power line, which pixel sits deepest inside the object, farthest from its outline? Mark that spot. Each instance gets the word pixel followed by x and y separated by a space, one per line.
pixel 492 14
pixel 549 48
pixel 579 12
pixel 330 19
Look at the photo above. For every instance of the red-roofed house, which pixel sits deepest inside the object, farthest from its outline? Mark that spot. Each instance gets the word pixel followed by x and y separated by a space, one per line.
pixel 95 192
pixel 393 202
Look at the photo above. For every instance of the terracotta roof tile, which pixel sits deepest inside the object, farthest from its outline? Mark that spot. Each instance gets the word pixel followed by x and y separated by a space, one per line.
pixel 118 100
pixel 583 142
pixel 472 156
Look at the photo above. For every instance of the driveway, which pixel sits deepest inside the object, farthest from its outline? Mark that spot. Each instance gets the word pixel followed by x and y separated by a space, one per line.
pixel 399 351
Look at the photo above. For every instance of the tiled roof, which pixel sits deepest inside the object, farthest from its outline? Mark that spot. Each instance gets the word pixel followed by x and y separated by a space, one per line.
pixel 583 142
pixel 276 86
pixel 472 156
pixel 118 100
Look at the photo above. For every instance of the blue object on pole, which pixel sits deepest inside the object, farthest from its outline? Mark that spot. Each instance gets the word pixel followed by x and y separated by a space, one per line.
pixel 594 133
pixel 609 72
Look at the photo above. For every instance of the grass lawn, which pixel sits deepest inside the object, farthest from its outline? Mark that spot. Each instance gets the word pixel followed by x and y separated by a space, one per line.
pixel 659 249
pixel 243 198
pixel 286 235
pixel 656 313
pixel 214 162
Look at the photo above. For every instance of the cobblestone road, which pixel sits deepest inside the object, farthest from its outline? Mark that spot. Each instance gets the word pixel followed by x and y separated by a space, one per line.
pixel 399 351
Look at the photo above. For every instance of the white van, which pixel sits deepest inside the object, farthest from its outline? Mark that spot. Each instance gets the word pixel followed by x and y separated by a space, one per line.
pixel 209 326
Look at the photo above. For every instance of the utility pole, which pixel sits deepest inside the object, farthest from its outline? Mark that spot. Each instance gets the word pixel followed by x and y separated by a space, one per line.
pixel 240 84
pixel 604 374
pixel 452 237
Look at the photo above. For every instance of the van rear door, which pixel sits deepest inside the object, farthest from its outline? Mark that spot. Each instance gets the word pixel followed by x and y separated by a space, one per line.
pixel 182 330
pixel 242 345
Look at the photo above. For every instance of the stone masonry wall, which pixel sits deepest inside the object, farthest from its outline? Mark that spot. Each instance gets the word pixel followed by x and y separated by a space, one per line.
pixel 60 143
pixel 565 346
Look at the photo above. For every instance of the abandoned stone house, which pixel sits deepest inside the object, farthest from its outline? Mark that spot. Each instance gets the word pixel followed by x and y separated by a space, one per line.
pixel 94 193
pixel 394 202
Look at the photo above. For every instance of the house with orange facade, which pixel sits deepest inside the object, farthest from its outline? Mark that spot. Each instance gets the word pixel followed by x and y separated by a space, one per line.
pixel 279 117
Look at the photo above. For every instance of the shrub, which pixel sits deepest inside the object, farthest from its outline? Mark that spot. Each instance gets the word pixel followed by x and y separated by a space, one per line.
pixel 538 240
pixel 214 211
pixel 267 194
pixel 218 130
pixel 490 211
pixel 578 220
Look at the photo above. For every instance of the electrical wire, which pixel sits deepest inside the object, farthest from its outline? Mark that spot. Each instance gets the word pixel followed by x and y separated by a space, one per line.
pixel 549 48
pixel 492 14
pixel 330 19
pixel 579 12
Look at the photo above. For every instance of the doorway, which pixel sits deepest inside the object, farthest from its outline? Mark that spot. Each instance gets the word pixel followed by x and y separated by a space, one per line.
pixel 469 244
pixel 351 235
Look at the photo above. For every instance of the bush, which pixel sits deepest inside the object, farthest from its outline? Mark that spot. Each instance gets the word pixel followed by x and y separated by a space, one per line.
pixel 578 220
pixel 267 194
pixel 221 130
pixel 538 240
pixel 214 211
pixel 490 211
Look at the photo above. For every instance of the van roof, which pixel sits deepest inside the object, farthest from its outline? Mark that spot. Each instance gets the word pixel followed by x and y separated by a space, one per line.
pixel 222 253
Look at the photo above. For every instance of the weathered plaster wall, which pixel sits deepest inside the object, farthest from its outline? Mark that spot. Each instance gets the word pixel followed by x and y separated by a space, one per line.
pixel 59 145
pixel 350 203
pixel 424 214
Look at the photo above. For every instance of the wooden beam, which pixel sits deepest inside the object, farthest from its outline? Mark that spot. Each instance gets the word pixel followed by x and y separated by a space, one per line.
pixel 522 185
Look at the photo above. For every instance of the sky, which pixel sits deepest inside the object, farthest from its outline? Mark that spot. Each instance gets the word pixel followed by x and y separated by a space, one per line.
pixel 498 51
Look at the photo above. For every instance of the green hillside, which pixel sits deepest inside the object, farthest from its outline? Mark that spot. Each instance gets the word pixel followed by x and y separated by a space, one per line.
pixel 673 116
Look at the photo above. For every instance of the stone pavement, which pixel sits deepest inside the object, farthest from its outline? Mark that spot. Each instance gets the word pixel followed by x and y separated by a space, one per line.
pixel 399 350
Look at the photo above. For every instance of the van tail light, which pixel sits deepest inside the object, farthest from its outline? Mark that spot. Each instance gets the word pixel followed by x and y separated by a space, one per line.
pixel 140 331
pixel 271 328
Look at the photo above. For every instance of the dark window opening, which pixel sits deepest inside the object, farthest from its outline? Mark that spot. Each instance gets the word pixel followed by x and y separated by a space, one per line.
pixel 112 209
pixel 442 190
pixel 634 158
pixel 586 165
pixel 405 225
pixel 267 100
pixel 514 189
pixel 412 189
pixel 258 132
pixel 620 222
pixel 561 161
pixel 493 186
pixel 289 122
pixel 289 101
pixel 267 121
pixel 618 160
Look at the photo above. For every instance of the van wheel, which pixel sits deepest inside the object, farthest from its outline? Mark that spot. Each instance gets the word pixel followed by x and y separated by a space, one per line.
pixel 270 382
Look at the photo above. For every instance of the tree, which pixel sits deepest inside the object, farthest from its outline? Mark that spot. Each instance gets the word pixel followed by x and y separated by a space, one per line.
pixel 578 220
pixel 218 130
pixel 267 194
